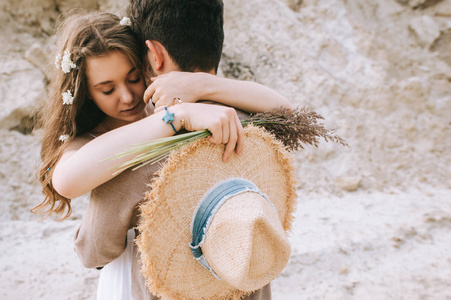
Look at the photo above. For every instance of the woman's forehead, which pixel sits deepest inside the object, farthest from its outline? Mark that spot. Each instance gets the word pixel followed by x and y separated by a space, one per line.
pixel 110 67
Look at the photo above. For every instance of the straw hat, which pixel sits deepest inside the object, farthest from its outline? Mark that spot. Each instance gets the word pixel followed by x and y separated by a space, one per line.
pixel 242 240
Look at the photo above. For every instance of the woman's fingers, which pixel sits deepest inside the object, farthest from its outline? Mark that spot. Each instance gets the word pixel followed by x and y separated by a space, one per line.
pixel 150 91
pixel 229 132
pixel 166 101
pixel 232 141
pixel 183 85
pixel 240 136
pixel 158 109
pixel 161 102
pixel 222 122
pixel 216 132
pixel 225 124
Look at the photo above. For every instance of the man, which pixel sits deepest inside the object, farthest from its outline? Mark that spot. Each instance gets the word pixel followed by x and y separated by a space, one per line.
pixel 178 35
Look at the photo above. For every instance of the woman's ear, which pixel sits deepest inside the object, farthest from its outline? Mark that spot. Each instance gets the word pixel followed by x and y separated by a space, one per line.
pixel 155 55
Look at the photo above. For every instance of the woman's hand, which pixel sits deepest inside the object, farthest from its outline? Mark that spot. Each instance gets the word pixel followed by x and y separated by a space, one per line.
pixel 165 88
pixel 221 121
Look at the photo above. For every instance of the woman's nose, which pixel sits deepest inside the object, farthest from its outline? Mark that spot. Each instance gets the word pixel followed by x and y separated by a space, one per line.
pixel 126 95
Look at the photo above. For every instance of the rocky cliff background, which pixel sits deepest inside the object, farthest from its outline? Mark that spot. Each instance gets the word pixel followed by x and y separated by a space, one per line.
pixel 373 220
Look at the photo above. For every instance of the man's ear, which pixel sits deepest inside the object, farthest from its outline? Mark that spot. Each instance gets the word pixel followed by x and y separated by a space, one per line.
pixel 155 54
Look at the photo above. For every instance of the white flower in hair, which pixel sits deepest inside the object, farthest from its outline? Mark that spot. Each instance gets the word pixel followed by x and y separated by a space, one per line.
pixel 126 21
pixel 67 63
pixel 68 99
pixel 58 59
pixel 64 137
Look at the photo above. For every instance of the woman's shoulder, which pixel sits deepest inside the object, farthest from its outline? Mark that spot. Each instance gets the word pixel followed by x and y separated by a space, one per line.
pixel 95 132
pixel 78 142
pixel 81 140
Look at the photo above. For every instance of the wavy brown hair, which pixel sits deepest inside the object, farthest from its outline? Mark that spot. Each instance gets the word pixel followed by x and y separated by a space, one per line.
pixel 84 35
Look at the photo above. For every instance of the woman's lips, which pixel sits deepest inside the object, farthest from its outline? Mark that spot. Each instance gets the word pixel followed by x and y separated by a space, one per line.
pixel 132 110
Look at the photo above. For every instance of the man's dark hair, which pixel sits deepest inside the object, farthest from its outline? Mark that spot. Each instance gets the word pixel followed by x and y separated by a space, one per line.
pixel 190 30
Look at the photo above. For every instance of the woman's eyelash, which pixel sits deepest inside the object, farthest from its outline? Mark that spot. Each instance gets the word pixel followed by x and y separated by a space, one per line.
pixel 132 81
pixel 108 92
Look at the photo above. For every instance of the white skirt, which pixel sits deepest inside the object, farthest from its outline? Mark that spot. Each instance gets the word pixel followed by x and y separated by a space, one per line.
pixel 115 281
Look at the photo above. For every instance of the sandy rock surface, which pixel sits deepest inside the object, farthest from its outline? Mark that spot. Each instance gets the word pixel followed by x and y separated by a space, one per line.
pixel 373 220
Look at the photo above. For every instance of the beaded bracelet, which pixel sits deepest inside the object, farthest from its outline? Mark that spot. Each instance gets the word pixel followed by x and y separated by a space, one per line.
pixel 169 118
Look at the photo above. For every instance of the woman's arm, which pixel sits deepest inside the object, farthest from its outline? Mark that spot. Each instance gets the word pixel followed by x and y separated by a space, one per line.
pixel 189 87
pixel 83 167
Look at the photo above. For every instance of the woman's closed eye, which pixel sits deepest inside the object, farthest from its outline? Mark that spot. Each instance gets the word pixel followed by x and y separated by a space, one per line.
pixel 108 92
pixel 138 79
pixel 133 81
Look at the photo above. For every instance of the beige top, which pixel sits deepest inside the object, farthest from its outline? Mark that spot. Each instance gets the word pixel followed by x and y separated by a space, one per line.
pixel 112 211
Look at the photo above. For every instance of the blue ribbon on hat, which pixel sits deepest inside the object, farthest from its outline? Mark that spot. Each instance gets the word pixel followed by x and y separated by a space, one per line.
pixel 209 205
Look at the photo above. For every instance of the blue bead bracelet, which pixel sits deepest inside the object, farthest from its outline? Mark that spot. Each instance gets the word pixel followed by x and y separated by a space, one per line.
pixel 169 118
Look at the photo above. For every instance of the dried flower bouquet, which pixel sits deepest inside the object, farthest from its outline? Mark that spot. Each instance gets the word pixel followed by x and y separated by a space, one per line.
pixel 293 128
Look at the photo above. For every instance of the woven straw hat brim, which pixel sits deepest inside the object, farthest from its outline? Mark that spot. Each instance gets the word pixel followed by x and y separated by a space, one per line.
pixel 167 262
